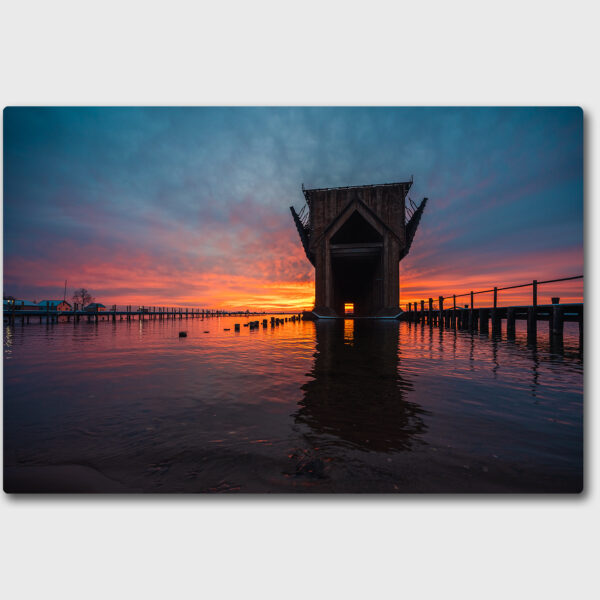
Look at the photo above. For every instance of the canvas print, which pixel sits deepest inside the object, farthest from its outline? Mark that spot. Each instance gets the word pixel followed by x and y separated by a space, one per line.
pixel 293 300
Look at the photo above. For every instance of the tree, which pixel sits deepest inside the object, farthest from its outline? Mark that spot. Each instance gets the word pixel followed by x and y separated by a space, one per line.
pixel 83 297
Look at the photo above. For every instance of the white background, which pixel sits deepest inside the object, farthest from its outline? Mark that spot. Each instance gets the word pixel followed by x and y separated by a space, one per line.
pixel 308 53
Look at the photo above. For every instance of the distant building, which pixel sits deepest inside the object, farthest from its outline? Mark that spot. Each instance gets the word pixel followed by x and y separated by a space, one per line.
pixel 58 305
pixel 20 305
pixel 95 307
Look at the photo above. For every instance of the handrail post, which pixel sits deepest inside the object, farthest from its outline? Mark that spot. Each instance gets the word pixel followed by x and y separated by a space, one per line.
pixel 430 311
pixel 441 309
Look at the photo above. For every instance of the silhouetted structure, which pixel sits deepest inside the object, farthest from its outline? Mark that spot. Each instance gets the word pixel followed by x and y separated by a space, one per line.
pixel 355 238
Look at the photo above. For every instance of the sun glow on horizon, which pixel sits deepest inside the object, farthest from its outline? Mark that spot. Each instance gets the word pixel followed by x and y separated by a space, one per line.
pixel 211 188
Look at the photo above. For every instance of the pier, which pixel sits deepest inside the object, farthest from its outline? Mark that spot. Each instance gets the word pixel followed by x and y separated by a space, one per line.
pixel 484 319
pixel 129 313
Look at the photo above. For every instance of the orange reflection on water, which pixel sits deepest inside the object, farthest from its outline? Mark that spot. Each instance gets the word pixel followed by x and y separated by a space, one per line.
pixel 349 332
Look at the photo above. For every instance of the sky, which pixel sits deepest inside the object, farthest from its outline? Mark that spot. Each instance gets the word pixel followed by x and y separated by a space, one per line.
pixel 190 206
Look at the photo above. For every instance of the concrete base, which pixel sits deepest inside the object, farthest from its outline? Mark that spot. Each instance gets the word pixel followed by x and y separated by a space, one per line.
pixel 324 313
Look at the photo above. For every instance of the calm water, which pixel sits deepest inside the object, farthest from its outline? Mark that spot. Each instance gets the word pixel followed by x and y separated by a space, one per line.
pixel 346 406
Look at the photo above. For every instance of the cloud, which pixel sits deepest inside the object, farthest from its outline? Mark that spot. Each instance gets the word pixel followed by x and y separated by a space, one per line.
pixel 190 206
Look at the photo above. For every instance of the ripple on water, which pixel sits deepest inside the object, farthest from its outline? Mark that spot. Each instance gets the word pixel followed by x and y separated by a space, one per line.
pixel 328 406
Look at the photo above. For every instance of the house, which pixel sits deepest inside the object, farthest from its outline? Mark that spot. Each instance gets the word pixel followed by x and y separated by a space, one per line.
pixel 14 304
pixel 95 307
pixel 57 305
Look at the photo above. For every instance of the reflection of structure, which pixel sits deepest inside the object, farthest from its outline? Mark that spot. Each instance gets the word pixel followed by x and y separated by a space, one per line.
pixel 356 393
pixel 355 237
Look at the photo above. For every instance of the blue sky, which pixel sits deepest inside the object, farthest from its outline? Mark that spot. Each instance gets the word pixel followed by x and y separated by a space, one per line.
pixel 190 206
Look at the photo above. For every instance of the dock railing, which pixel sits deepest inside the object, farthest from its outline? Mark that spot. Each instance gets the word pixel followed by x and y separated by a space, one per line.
pixel 470 317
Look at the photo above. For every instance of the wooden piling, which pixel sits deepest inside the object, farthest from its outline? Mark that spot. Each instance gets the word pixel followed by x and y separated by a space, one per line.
pixel 532 316
pixel 453 318
pixel 496 323
pixel 484 315
pixel 557 322
pixel 471 315
pixel 510 322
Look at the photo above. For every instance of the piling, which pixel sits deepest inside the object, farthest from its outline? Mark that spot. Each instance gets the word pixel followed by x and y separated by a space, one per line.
pixel 484 315
pixel 510 322
pixel 495 315
pixel 453 318
pixel 557 321
pixel 471 315
pixel 532 316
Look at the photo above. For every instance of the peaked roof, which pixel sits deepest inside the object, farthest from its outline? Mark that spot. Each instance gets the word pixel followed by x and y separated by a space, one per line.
pixel 347 212
pixel 53 302
pixel 406 184
pixel 20 302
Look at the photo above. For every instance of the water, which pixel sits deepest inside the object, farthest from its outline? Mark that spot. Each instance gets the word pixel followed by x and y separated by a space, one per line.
pixel 336 406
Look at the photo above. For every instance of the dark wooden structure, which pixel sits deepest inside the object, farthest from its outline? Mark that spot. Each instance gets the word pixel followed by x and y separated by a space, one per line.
pixel 355 238
pixel 479 318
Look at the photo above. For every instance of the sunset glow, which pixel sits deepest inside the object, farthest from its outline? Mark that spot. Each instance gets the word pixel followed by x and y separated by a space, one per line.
pixel 190 207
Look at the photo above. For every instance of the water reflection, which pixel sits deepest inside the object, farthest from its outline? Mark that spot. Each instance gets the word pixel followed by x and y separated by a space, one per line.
pixel 356 392
pixel 8 341
pixel 345 406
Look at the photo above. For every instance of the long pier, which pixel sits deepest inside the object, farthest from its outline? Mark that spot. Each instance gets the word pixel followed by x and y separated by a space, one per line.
pixel 143 313
pixel 485 318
